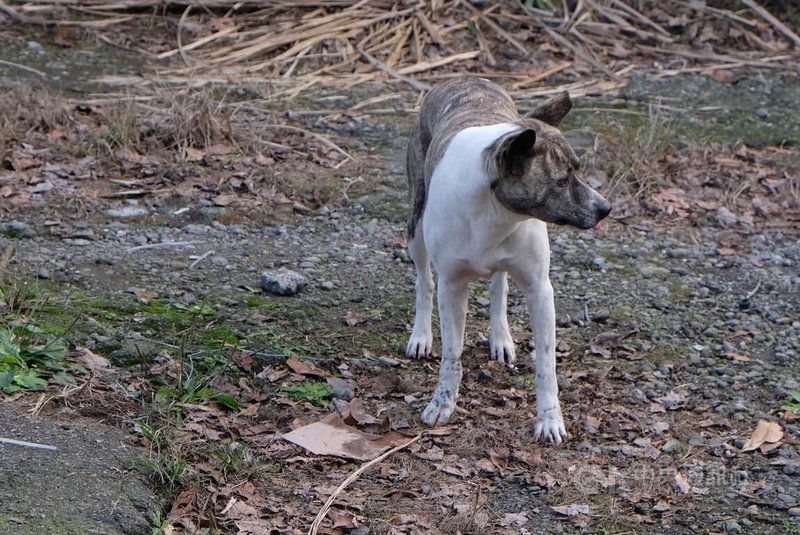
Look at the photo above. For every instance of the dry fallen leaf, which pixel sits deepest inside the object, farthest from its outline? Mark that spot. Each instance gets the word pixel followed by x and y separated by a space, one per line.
pixel 331 436
pixel 93 362
pixel 303 368
pixel 682 483
pixel 765 432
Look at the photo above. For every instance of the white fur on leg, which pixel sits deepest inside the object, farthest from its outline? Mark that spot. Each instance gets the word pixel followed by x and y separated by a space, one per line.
pixel 420 343
pixel 550 423
pixel 500 342
pixel 452 317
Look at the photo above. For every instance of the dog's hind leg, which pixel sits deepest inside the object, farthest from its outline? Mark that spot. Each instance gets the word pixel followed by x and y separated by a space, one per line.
pixel 452 317
pixel 420 343
pixel 500 342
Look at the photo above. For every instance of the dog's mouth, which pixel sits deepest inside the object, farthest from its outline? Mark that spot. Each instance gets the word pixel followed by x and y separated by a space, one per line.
pixel 598 226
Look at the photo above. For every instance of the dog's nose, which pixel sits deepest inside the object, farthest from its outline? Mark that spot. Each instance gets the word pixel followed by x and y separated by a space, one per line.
pixel 603 210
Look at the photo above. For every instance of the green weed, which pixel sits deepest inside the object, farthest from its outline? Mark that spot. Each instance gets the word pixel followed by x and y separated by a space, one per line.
pixel 25 364
pixel 314 392
pixel 191 390
pixel 793 404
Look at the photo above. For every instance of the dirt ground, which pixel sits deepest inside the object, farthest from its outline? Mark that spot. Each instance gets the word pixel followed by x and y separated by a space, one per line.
pixel 678 326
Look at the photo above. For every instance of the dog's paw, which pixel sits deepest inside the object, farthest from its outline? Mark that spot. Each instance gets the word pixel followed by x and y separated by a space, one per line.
pixel 438 412
pixel 420 344
pixel 550 426
pixel 501 348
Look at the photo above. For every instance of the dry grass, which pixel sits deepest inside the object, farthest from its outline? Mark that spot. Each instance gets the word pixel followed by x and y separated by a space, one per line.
pixel 633 156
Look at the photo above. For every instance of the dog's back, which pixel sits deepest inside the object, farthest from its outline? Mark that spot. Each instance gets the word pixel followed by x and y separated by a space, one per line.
pixel 449 108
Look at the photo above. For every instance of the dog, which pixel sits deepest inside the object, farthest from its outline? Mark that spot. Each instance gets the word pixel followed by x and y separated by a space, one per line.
pixel 483 183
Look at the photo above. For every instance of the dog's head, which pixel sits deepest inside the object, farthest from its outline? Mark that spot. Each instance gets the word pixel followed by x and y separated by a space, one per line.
pixel 533 171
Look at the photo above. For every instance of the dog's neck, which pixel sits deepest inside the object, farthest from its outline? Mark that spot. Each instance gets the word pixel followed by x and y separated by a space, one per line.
pixel 465 176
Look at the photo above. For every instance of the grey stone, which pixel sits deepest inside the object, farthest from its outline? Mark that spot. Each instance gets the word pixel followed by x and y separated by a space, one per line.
pixel 794 512
pixel 671 446
pixel 219 261
pixel 283 281
pixel 327 285
pixel 196 229
pixel 341 389
pixel 725 217
pixel 652 271
pixel 17 229
pixel 125 211
pixel 732 526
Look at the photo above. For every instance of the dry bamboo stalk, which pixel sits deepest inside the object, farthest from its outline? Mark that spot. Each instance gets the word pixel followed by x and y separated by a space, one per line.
pixel 430 28
pixel 419 86
pixel 397 53
pixel 547 73
pixel 769 17
pixel 486 51
pixel 438 62
pixel 640 16
pixel 614 17
pixel 484 15
pixel 718 57
pixel 200 42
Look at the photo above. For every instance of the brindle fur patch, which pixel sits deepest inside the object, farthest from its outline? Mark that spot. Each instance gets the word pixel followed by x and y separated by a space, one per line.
pixel 464 102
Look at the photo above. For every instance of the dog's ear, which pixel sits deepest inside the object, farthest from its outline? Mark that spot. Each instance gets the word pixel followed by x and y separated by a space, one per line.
pixel 553 110
pixel 515 152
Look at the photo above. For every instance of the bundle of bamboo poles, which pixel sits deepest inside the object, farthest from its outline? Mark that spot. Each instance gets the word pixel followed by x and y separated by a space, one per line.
pixel 414 42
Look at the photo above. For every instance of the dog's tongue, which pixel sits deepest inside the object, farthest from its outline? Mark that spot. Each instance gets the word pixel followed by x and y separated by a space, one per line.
pixel 598 226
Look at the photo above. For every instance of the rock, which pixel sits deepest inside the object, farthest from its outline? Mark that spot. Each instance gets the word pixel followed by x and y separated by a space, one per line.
pixel 283 281
pixel 35 47
pixel 341 389
pixel 125 211
pixel 327 285
pixel 762 113
pixel 44 274
pixel 196 229
pixel 725 217
pixel 219 261
pixel 794 512
pixel 482 301
pixel 17 229
pixel 732 526
pixel 671 446
pixel 652 271
pixel 792 469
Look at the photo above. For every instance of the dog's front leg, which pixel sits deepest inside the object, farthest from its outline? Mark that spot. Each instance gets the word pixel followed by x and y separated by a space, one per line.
pixel 452 316
pixel 541 309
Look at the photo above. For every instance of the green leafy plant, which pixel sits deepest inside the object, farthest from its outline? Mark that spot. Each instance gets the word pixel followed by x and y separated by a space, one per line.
pixel 193 389
pixel 25 364
pixel 314 392
pixel 793 404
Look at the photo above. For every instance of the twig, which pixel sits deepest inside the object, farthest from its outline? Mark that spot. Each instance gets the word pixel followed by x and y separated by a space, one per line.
pixel 752 292
pixel 163 244
pixel 200 258
pixel 5 259
pixel 26 444
pixel 23 68
pixel 769 17
pixel 352 477
pixel 316 136
pixel 419 86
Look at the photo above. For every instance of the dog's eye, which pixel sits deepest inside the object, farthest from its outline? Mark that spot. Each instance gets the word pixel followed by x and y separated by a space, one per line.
pixel 562 182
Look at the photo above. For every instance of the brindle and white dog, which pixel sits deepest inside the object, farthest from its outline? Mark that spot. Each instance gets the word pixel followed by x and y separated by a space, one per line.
pixel 483 183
